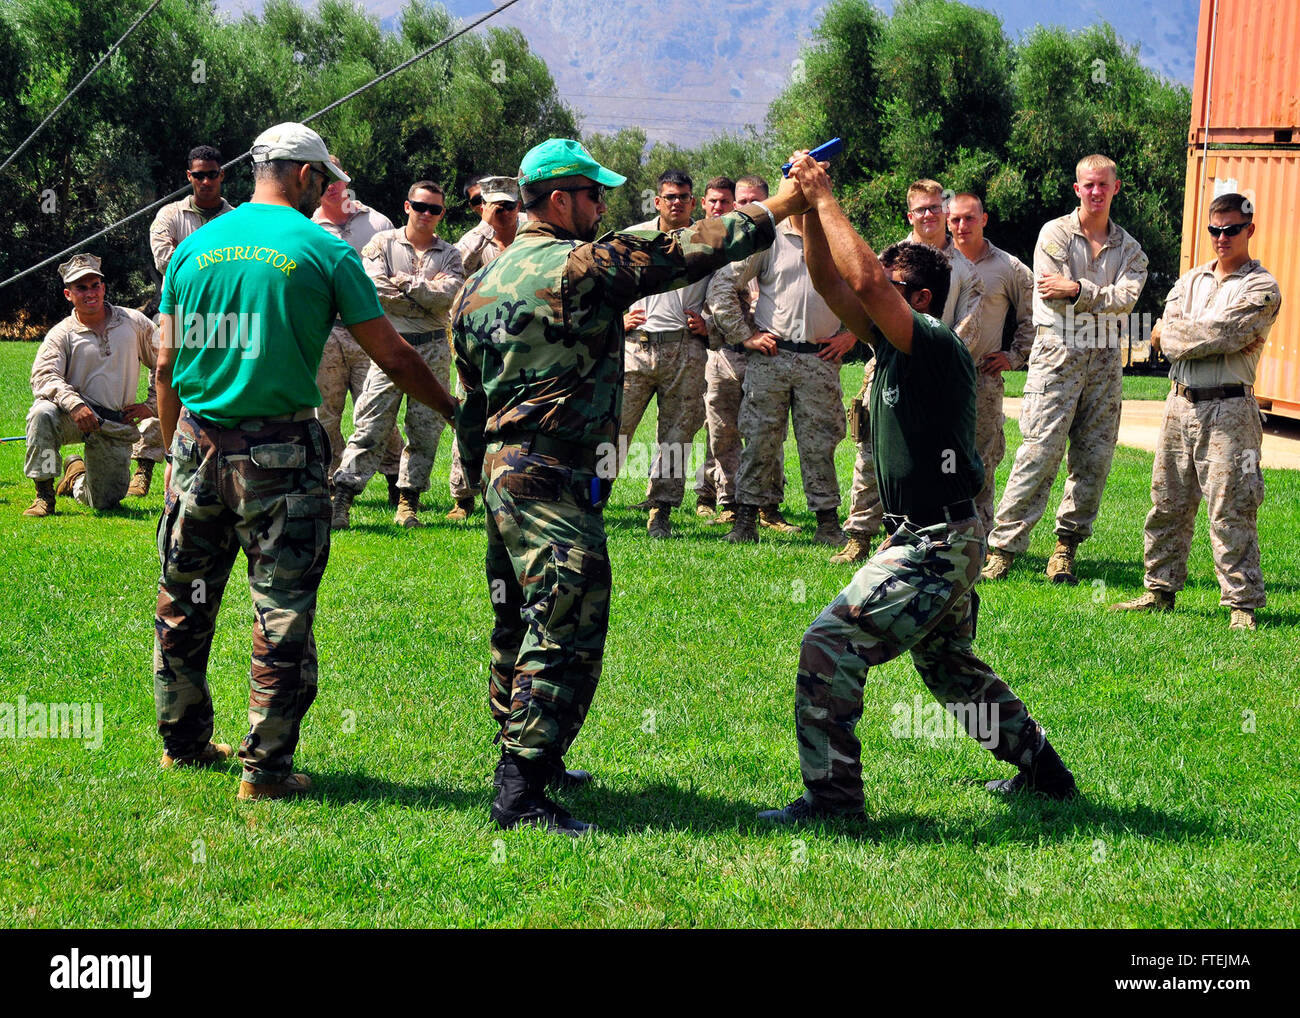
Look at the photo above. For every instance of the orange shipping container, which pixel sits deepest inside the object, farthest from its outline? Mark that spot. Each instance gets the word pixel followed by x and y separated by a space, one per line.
pixel 1243 137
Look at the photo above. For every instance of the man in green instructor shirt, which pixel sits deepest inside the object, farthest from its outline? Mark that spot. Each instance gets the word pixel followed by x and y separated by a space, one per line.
pixel 247 305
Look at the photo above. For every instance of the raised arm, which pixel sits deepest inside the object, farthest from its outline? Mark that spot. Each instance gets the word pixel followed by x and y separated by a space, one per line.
pixel 853 261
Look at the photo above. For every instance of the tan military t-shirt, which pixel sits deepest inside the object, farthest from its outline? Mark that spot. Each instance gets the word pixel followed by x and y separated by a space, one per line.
pixel 1006 283
pixel 788 305
pixel 1208 324
pixel 76 364
pixel 174 223
pixel 415 287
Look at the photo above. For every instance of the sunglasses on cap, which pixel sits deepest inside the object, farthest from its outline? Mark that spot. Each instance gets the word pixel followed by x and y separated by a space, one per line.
pixel 1226 231
pixel 424 206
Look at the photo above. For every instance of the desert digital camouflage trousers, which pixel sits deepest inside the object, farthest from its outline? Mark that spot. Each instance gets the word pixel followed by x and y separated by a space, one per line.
pixel 457 483
pixel 724 380
pixel 1072 395
pixel 914 594
pixel 343 369
pixel 108 456
pixel 263 491
pixel 674 370
pixel 866 514
pixel 374 417
pixel 990 440
pixel 804 389
pixel 1209 449
pixel 549 579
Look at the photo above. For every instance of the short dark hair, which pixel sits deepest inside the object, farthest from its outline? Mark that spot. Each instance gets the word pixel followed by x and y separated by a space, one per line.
pixel 923 268
pixel 754 180
pixel 424 186
pixel 474 181
pixel 276 169
pixel 721 184
pixel 1234 202
pixel 203 154
pixel 677 177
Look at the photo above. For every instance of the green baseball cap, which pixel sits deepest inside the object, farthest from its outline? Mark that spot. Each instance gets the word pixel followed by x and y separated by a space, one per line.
pixel 563 157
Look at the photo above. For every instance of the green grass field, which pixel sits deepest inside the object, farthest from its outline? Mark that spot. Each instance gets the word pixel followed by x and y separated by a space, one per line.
pixel 1182 735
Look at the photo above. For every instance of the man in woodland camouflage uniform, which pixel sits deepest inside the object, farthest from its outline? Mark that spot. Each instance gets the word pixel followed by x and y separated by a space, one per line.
pixel 539 345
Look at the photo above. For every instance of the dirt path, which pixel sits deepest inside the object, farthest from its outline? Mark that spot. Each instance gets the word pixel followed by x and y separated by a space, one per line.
pixel 1139 426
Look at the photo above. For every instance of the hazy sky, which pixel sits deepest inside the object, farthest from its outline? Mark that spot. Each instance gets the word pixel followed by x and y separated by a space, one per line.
pixel 686 69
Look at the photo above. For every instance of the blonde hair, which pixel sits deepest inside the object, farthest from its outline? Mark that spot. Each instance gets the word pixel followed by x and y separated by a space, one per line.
pixel 1096 161
pixel 924 186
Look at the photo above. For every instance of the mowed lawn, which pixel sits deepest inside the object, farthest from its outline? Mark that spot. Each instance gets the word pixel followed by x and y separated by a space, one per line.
pixel 1183 737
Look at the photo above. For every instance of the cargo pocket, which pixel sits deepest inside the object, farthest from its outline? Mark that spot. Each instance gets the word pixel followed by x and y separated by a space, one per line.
pixel 302 548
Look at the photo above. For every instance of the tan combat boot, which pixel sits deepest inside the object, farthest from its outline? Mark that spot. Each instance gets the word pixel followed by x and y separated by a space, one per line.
pixel 341 506
pixel 1242 618
pixel 1060 567
pixel 141 479
pixel 770 516
pixel 856 549
pixel 659 526
pixel 998 565
pixel 74 468
pixel 408 504
pixel 294 784
pixel 214 753
pixel 705 508
pixel 462 510
pixel 44 503
pixel 745 529
pixel 1151 601
pixel 828 528
pixel 726 517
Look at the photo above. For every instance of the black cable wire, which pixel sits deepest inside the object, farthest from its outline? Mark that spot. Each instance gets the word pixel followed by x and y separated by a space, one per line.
pixel 334 105
pixel 111 50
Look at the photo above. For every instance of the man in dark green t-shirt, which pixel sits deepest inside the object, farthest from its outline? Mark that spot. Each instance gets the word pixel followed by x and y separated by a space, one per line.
pixel 247 304
pixel 916 593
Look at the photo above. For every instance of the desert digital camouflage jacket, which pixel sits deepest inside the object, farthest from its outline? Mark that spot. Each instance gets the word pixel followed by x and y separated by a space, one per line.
pixel 538 332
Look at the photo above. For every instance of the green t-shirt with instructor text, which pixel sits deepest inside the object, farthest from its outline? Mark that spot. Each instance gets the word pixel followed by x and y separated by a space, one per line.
pixel 254 294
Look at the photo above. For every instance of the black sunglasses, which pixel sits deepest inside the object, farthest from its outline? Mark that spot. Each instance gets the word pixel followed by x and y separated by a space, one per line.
pixel 205 174
pixel 1227 231
pixel 597 191
pixel 424 206
pixel 476 201
pixel 508 206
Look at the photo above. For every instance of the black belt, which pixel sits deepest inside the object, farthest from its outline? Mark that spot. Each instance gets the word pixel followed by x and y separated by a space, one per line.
pixel 785 344
pixel 1208 392
pixel 420 338
pixel 955 512
pixel 573 454
pixel 671 336
pixel 104 413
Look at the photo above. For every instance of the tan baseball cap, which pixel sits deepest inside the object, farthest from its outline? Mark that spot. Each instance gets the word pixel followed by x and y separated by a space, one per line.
pixel 297 143
pixel 80 265
pixel 495 189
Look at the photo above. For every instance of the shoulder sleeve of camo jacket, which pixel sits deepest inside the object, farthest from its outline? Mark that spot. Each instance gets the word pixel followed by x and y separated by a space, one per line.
pixel 635 263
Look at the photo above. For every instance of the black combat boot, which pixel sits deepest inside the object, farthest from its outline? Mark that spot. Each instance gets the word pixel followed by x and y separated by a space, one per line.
pixel 521 798
pixel 564 778
pixel 394 492
pixel 1046 775
pixel 745 529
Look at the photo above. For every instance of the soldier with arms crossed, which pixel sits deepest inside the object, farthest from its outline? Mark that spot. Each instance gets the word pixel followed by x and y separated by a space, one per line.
pixel 1216 321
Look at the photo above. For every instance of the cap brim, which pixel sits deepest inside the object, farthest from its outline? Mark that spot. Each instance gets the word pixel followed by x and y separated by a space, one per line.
pixel 497 196
pixel 335 172
pixel 609 178
pixel 82 274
